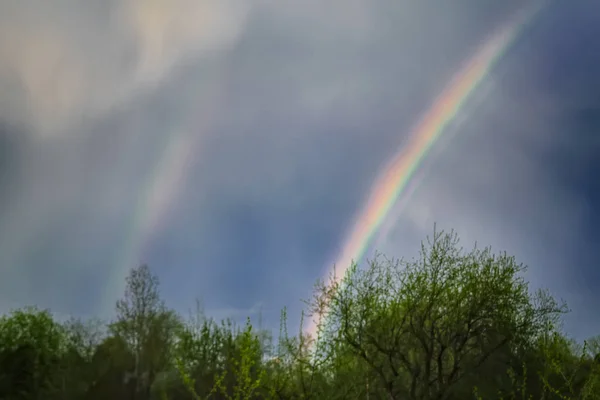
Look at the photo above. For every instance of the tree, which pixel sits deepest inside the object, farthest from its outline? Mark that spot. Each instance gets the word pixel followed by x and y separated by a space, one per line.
pixel 449 325
pixel 84 336
pixel 31 347
pixel 111 365
pixel 75 373
pixel 146 326
pixel 422 326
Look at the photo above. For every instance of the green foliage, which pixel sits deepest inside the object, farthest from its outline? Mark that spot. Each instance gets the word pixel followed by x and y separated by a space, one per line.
pixel 449 325
pixel 424 326
pixel 31 346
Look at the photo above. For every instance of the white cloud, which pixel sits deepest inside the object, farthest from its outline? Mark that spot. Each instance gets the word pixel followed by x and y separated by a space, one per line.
pixel 64 61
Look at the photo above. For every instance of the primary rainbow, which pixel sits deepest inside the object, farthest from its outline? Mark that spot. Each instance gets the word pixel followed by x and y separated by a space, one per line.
pixel 394 180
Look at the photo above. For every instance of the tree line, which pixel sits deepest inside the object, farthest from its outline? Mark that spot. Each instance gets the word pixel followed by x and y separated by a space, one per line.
pixel 450 324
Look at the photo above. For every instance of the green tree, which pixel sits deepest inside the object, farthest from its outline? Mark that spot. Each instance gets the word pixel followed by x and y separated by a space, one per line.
pixel 31 347
pixel 423 326
pixel 75 374
pixel 112 368
pixel 146 326
pixel 448 325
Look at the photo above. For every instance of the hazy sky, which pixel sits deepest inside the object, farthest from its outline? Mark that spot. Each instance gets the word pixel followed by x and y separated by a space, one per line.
pixel 230 144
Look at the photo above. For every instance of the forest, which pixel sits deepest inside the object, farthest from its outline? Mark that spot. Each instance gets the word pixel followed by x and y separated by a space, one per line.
pixel 449 324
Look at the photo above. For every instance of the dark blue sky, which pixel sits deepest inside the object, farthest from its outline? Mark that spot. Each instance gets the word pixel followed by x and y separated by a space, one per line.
pixel 229 144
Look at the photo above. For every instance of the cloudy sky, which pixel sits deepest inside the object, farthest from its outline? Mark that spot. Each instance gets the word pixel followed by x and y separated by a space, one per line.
pixel 230 144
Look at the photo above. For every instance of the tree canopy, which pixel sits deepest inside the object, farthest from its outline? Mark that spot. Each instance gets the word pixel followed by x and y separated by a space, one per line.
pixel 450 324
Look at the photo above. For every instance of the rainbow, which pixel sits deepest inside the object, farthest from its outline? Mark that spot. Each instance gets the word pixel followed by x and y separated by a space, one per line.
pixel 394 180
pixel 165 181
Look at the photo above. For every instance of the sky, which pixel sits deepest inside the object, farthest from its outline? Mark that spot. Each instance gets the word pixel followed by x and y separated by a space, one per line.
pixel 231 144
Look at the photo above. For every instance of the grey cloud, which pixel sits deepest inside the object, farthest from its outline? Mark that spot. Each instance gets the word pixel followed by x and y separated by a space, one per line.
pixel 312 115
pixel 314 96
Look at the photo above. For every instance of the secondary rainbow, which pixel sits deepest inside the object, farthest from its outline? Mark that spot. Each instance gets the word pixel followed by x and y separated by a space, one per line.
pixel 396 176
pixel 168 177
